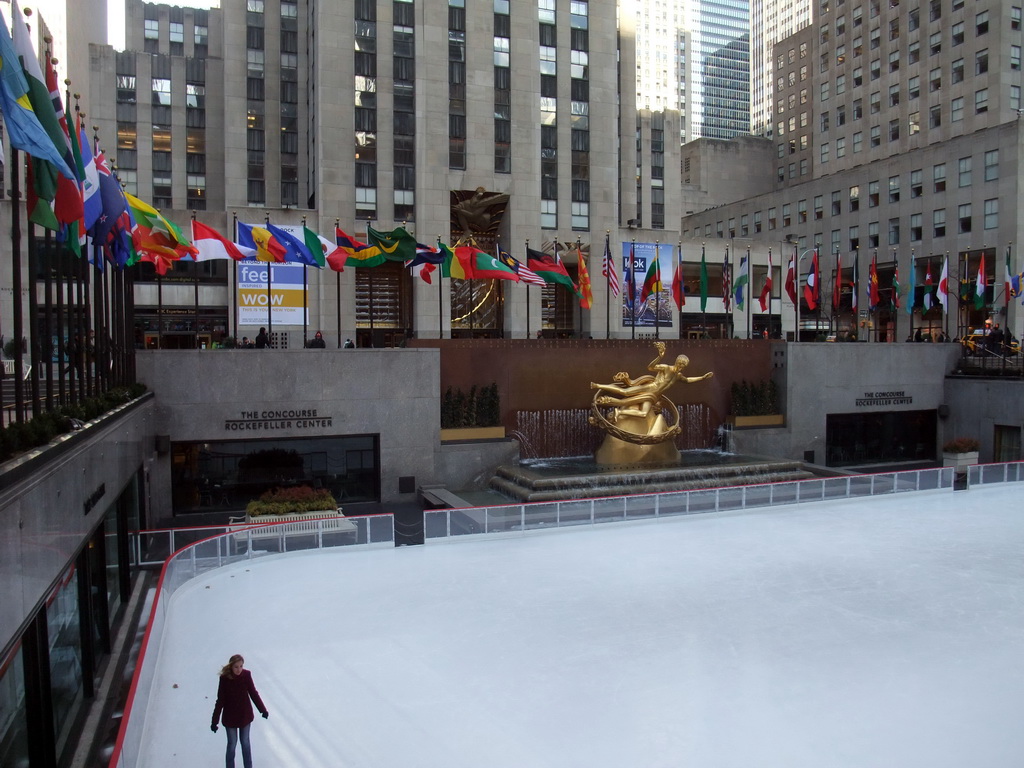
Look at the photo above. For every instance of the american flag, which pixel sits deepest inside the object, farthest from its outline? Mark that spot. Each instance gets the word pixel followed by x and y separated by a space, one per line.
pixel 608 269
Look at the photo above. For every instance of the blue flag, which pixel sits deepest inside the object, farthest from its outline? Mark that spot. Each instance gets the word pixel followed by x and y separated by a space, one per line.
pixel 23 127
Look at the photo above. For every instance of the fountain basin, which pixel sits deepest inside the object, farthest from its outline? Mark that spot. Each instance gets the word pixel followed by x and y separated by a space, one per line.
pixel 583 478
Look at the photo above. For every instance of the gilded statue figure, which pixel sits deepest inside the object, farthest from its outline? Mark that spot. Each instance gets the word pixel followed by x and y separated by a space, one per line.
pixel 480 213
pixel 636 410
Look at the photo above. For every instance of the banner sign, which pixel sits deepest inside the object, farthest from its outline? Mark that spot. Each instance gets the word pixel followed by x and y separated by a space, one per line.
pixel 658 309
pixel 286 293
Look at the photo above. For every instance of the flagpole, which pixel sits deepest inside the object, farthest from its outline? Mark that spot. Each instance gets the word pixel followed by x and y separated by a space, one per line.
pixel 910 298
pixel 527 291
pixel 48 349
pixel 750 294
pixel 195 285
pixel 632 285
pixel 579 299
pixel 703 291
pixel 33 320
pixel 16 286
pixel 657 294
pixel 440 298
pixel 607 286
pixel 305 300
pixel 796 289
pixel 270 295
pixel 233 303
pixel 945 306
pixel 679 266
pixel 337 285
pixel 768 326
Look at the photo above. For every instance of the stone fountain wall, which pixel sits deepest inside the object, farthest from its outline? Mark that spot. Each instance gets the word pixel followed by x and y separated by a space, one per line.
pixel 544 385
pixel 566 431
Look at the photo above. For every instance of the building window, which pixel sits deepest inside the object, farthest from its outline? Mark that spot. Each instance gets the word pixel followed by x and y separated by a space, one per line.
pixel 916 183
pixel 939 223
pixel 964 171
pixel 956 71
pixel 981 62
pixel 161 92
pixel 981 23
pixel 819 208
pixel 957 34
pixel 894 231
pixel 992 214
pixel 916 227
pixel 151 29
pixel 992 165
pixel 894 189
pixel 546 11
pixel 939 178
pixel 873 234
pixel 876 135
pixel 935 116
pixel 963 214
pixel 858 142
pixel 549 214
pixel 981 101
pixel 873 188
pixel 956 109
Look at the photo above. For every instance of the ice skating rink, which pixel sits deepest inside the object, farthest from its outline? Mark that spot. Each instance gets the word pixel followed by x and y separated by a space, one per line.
pixel 867 633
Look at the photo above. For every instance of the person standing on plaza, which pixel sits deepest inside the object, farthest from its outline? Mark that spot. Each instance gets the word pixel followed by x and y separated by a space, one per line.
pixel 234 710
pixel 262 340
pixel 318 341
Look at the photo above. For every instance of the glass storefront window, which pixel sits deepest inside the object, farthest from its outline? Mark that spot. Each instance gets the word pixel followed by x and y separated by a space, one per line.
pixel 63 631
pixel 13 718
pixel 228 475
pixel 880 437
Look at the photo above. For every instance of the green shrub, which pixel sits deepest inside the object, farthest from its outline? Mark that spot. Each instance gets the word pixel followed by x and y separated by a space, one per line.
pixel 286 501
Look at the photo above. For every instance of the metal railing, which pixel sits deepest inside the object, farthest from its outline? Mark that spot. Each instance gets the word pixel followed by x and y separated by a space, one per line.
pixel 203 550
pixel 453 523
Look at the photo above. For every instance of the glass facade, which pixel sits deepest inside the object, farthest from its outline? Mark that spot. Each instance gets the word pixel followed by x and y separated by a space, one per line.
pixel 230 474
pixel 13 715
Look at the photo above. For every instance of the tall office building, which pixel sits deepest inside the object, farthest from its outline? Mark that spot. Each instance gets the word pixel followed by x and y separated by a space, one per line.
pixel 770 22
pixel 694 56
pixel 897 140
pixel 388 113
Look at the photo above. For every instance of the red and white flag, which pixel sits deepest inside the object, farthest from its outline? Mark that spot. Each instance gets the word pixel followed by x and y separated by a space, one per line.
pixel 766 291
pixel 213 245
pixel 943 294
pixel 608 270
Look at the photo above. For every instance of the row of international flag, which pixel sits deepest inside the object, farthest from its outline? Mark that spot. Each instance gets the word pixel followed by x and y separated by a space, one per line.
pixel 70 188
pixel 934 294
pixel 279 244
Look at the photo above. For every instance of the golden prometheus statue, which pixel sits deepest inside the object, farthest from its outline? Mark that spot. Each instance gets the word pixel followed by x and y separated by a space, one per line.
pixel 637 431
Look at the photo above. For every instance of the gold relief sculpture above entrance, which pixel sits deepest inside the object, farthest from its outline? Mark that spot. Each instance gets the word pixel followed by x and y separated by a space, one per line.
pixel 476 214
pixel 637 430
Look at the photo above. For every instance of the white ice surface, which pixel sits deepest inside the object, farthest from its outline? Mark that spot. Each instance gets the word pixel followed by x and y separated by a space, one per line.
pixel 864 634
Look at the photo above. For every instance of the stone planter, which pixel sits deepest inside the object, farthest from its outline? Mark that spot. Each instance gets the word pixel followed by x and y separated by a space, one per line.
pixel 472 433
pixel 752 422
pixel 959 460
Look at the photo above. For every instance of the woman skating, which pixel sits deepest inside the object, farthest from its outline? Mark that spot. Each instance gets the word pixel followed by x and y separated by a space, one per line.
pixel 234 693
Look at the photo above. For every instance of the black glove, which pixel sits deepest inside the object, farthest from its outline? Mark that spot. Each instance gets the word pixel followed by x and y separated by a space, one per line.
pixel 213 727
pixel 266 715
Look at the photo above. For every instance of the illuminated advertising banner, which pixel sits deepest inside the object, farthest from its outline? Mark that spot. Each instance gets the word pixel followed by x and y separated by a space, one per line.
pixel 658 308
pixel 286 295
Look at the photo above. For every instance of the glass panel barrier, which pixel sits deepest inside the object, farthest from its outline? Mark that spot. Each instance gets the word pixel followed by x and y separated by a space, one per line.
pixel 731 498
pixel 639 507
pixel 579 512
pixel 757 496
pixel 609 510
pixel 783 493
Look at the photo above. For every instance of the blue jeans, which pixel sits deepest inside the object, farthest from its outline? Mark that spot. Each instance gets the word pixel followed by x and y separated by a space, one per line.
pixel 233 738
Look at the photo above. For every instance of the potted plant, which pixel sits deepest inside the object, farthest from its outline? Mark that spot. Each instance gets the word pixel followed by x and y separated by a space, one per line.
pixel 960 452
